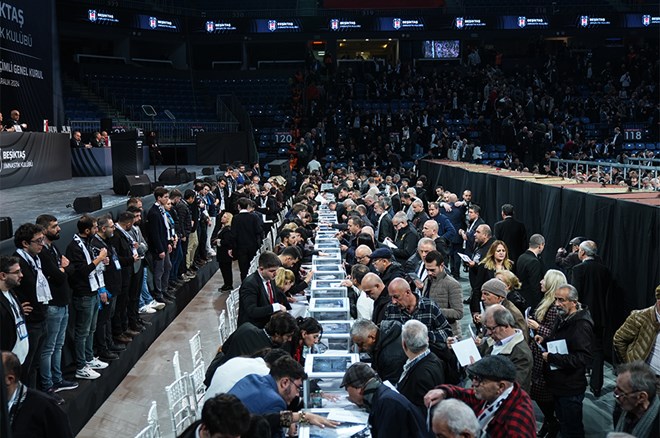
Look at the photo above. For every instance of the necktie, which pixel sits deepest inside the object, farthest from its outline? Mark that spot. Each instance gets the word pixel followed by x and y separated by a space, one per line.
pixel 270 292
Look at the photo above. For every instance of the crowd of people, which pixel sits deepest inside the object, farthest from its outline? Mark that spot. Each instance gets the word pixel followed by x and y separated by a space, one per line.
pixel 570 104
pixel 410 250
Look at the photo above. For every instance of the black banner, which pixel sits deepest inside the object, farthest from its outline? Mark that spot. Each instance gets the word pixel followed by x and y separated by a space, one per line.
pixel 26 60
pixel 28 158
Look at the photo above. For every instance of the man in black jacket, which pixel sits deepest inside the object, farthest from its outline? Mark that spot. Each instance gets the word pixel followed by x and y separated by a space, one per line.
pixel 384 226
pixel 593 281
pixel 31 413
pixel 87 283
pixel 565 372
pixel 246 230
pixel 13 335
pixel 160 233
pixel 406 238
pixel 383 345
pixel 512 232
pixel 530 271
pixel 381 259
pixel 258 296
pixel 423 370
pixel 33 289
pixel 223 415
pixel 56 268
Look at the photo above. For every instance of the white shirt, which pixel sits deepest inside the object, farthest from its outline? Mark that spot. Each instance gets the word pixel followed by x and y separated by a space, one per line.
pixel 230 372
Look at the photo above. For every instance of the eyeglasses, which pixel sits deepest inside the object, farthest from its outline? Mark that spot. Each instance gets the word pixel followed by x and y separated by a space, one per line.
pixel 478 380
pixel 490 329
pixel 562 300
pixel 623 394
pixel 16 272
pixel 297 386
pixel 38 241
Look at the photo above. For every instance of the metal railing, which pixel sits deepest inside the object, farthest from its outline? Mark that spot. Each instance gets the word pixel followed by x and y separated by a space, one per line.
pixel 167 131
pixel 583 167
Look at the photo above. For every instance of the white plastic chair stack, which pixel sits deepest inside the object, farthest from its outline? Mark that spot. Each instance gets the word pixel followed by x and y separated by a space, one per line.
pixel 176 365
pixel 153 428
pixel 232 316
pixel 180 400
pixel 234 309
pixel 198 388
pixel 196 349
pixel 223 329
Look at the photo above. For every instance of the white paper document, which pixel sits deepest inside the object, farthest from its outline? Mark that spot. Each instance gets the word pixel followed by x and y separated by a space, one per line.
pixel 345 416
pixel 466 351
pixel 557 347
pixel 389 243
pixel 464 257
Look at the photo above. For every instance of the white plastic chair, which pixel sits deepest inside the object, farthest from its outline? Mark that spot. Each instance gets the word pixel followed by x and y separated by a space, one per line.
pixel 153 428
pixel 176 365
pixel 223 329
pixel 180 403
pixel 196 349
pixel 198 389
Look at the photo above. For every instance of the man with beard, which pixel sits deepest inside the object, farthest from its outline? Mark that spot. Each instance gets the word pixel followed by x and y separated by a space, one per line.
pixel 56 269
pixel 33 289
pixel 13 334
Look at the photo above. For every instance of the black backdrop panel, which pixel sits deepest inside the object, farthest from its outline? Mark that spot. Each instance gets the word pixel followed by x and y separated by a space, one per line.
pixel 27 59
pixel 627 233
pixel 29 158
pixel 218 148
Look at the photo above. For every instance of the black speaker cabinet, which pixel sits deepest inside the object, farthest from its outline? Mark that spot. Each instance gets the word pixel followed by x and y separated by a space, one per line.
pixel 172 176
pixel 140 189
pixel 6 228
pixel 280 167
pixel 126 159
pixel 207 171
pixel 124 185
pixel 86 204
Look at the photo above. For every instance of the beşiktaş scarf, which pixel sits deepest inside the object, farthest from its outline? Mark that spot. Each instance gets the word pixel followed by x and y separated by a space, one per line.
pixel 166 221
pixel 130 239
pixel 43 289
pixel 489 410
pixel 645 423
pixel 95 277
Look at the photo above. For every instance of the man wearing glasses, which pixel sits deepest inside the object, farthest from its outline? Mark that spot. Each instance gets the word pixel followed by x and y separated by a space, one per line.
pixel 565 371
pixel 502 408
pixel 34 290
pixel 13 334
pixel 635 393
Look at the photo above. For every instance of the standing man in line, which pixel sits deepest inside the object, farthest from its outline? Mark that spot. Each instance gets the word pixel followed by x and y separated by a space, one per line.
pixel 246 229
pixel 159 233
pixel 33 289
pixel 56 268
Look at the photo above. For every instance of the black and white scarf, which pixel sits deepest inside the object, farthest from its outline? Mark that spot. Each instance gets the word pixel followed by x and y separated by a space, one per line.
pixel 95 277
pixel 43 289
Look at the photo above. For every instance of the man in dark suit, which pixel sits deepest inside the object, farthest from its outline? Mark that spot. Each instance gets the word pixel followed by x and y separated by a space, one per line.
pixel 258 298
pixel 512 232
pixel 245 229
pixel 13 334
pixel 266 205
pixel 406 238
pixel 474 220
pixel 384 226
pixel 530 271
pixel 592 279
pixel 159 232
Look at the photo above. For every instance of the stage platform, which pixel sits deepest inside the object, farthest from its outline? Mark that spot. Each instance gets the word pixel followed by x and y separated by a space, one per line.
pixel 24 204
pixel 625 224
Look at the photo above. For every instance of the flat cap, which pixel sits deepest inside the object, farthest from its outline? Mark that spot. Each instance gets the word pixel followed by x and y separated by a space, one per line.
pixel 357 375
pixel 494 367
pixel 495 286
pixel 381 253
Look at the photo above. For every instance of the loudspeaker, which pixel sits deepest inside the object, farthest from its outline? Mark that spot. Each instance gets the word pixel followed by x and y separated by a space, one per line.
pixel 106 124
pixel 207 171
pixel 126 159
pixel 6 228
pixel 124 185
pixel 140 189
pixel 86 204
pixel 170 176
pixel 280 167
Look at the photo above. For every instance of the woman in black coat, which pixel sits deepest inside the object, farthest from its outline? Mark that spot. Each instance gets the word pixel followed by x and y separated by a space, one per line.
pixel 225 245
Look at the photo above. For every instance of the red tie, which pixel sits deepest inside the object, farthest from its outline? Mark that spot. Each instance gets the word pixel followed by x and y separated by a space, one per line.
pixel 270 292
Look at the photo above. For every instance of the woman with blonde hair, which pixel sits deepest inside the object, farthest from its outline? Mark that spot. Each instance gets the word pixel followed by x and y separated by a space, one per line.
pixel 284 280
pixel 497 259
pixel 542 322
pixel 226 244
